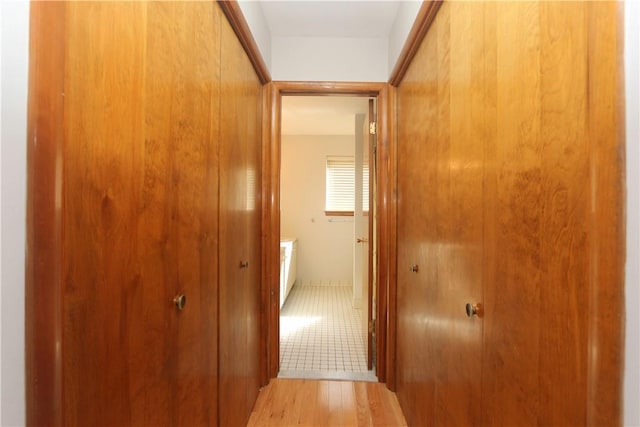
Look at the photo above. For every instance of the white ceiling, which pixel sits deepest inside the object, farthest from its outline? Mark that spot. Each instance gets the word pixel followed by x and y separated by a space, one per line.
pixel 321 115
pixel 302 18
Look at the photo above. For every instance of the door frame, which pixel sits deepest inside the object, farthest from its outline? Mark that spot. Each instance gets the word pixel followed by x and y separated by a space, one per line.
pixel 385 226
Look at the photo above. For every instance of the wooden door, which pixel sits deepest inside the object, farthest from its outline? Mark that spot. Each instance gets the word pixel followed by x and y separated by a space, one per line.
pixel 124 204
pixel 178 208
pixel 545 286
pixel 139 180
pixel 101 177
pixel 509 188
pixel 239 233
pixel 440 228
pixel 369 238
pixel 417 359
pixel 370 254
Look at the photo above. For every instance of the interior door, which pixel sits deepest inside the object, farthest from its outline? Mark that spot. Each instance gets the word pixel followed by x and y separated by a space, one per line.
pixel 363 226
pixel 440 233
pixel 239 216
pixel 370 157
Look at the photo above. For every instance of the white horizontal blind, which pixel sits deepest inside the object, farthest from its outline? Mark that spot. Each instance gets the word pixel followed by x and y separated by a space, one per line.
pixel 340 184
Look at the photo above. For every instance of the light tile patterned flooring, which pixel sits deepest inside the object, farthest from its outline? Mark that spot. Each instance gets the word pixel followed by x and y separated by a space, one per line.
pixel 320 335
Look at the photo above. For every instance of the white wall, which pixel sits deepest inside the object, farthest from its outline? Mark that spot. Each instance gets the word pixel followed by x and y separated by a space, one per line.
pixel 254 16
pixel 632 83
pixel 407 12
pixel 329 59
pixel 325 249
pixel 15 29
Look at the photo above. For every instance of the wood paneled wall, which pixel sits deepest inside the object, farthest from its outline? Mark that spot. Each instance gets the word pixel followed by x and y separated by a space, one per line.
pixel 151 168
pixel 510 168
pixel 240 218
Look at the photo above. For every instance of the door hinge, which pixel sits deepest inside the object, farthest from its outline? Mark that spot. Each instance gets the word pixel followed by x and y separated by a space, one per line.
pixel 372 327
pixel 372 128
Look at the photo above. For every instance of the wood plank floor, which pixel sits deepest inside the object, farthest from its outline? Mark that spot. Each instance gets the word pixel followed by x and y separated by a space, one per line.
pixel 293 402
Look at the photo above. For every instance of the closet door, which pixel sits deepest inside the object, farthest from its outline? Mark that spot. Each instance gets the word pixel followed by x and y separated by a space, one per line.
pixel 417 346
pixel 252 109
pixel 179 212
pixel 137 175
pixel 239 232
pixel 440 228
pixel 103 292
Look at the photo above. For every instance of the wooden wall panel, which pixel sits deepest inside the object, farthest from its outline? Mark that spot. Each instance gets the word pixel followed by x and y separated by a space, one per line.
pixel 132 186
pixel 43 275
pixel 178 209
pixel 503 152
pixel 416 359
pixel 240 237
pixel 513 301
pixel 103 300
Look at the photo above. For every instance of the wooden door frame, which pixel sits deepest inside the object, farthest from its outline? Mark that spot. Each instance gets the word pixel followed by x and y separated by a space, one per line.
pixel 385 226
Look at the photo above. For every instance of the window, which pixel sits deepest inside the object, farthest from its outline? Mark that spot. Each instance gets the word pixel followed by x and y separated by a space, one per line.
pixel 340 185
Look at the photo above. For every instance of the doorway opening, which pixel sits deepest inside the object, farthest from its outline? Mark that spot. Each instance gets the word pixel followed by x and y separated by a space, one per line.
pixel 327 228
pixel 385 224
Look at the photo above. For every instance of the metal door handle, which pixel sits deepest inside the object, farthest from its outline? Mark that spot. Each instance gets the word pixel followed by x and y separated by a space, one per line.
pixel 473 310
pixel 413 268
pixel 244 264
pixel 180 301
pixel 362 240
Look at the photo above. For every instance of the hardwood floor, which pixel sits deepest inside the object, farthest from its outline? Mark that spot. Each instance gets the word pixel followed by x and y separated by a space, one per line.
pixel 293 402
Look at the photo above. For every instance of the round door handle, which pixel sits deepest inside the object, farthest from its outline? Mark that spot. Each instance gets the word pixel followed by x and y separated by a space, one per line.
pixel 180 301
pixel 244 264
pixel 473 310
pixel 413 268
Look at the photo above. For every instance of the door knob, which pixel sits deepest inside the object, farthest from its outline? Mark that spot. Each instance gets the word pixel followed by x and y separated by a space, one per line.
pixel 180 301
pixel 244 264
pixel 473 310
pixel 413 268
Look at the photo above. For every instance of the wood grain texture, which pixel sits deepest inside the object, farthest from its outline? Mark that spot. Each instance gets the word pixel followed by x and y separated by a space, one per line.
pixel 102 288
pixel 126 104
pixel 240 217
pixel 43 278
pixel 286 402
pixel 606 222
pixel 508 128
pixel 178 225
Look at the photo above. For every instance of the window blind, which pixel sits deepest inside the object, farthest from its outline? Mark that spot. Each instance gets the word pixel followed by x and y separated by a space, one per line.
pixel 340 184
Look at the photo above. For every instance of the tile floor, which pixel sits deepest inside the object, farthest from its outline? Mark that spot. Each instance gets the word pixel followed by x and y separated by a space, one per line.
pixel 320 335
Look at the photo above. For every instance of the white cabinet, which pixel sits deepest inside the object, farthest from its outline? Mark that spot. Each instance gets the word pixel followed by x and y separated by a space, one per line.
pixel 288 262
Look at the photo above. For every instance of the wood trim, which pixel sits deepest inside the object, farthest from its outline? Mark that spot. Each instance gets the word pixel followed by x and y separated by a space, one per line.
pixel 392 254
pixel 329 88
pixel 234 15
pixel 266 266
pixel 382 228
pixel 43 281
pixel 384 200
pixel 606 221
pixel 271 231
pixel 424 19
